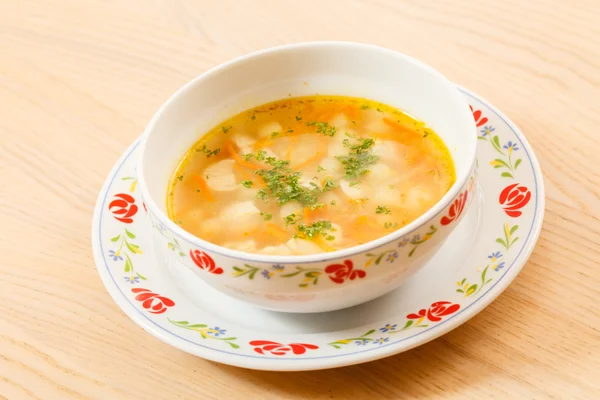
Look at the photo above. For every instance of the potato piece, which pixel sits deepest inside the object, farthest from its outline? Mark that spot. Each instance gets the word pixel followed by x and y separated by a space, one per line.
pixel 245 245
pixel 220 176
pixel 302 246
pixel 267 129
pixel 243 142
pixel 281 250
pixel 340 122
pixel 337 233
pixel 290 208
pixel 332 168
pixel 242 216
pixel 355 192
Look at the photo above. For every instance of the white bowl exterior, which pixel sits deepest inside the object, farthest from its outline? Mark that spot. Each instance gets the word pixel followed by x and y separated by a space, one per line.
pixel 329 68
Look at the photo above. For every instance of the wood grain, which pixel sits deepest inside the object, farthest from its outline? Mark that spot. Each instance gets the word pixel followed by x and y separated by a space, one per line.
pixel 80 79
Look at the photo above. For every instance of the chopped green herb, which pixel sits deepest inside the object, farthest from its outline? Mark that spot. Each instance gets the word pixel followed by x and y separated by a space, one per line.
pixel 179 222
pixel 180 177
pixel 207 177
pixel 329 184
pixel 354 122
pixel 247 183
pixel 226 128
pixel 319 168
pixel 329 237
pixel 364 107
pixel 292 219
pixel 357 162
pixel 379 109
pixel 383 210
pixel 209 153
pixel 313 230
pixel 262 194
pixel 274 134
pixel 323 127
pixel 298 118
pixel 426 134
pixel 333 202
pixel 290 131
pixel 198 190
pixel 266 216
pixel 389 225
pixel 253 117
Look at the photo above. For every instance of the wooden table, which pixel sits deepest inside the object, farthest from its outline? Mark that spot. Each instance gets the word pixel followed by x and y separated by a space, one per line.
pixel 80 79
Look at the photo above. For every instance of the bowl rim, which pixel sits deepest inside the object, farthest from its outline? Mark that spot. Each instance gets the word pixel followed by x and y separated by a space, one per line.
pixel 438 207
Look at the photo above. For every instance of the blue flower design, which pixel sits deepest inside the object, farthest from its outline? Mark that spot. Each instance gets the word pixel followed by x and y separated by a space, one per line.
pixel 510 146
pixel 381 341
pixel 132 279
pixel 266 273
pixel 499 266
pixel 403 242
pixel 388 327
pixel 487 130
pixel 216 331
pixel 115 256
pixel 361 342
pixel 278 267
pixel 392 256
pixel 495 256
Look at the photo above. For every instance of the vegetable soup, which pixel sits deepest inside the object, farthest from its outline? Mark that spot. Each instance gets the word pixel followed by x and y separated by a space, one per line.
pixel 309 175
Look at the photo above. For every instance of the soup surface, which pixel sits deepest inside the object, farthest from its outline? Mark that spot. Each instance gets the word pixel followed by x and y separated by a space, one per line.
pixel 309 175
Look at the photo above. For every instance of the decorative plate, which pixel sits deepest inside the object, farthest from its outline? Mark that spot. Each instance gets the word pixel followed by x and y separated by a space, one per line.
pixel 479 260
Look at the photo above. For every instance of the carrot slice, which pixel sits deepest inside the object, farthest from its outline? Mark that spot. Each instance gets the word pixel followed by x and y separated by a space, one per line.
pixel 323 244
pixel 277 231
pixel 204 189
pixel 288 153
pixel 230 149
pixel 351 112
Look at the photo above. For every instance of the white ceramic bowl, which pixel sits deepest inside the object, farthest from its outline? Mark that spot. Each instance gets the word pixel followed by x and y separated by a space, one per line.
pixel 319 282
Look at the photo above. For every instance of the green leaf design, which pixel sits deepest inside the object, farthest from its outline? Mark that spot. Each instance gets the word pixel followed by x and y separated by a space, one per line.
pixel 131 235
pixel 499 240
pixel 514 229
pixel 517 163
pixel 197 326
pixel 368 333
pixel 412 251
pixel 408 324
pixel 128 265
pixel 460 290
pixel 130 247
pixel 178 322
pixel 463 281
pixel 115 238
pixel 140 276
pixel 481 138
pixel 233 345
pixel 501 162
pixel 471 289
pixel 506 175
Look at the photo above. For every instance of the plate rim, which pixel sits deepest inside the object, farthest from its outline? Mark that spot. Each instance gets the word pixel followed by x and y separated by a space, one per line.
pixel 332 361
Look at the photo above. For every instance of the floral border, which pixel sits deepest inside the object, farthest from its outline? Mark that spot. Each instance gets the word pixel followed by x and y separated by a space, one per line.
pixel 513 198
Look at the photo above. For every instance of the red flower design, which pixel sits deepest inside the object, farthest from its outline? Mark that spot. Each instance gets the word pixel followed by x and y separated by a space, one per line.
pixel 153 302
pixel 339 272
pixel 456 208
pixel 278 349
pixel 145 209
pixel 123 207
pixel 477 116
pixel 436 311
pixel 204 261
pixel 514 197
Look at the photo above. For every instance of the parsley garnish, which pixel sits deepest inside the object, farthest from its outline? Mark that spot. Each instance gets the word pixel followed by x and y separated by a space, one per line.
pixel 180 177
pixel 298 118
pixel 319 168
pixel 356 163
pixel 274 134
pixel 226 128
pixel 283 183
pixel 209 152
pixel 383 210
pixel 313 230
pixel 329 184
pixel 266 216
pixel 253 117
pixel 292 219
pixel 323 127
pixel 247 183
pixel 389 225
pixel 364 107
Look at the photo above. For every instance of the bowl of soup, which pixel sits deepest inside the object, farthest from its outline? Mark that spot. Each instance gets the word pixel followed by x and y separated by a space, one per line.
pixel 308 177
